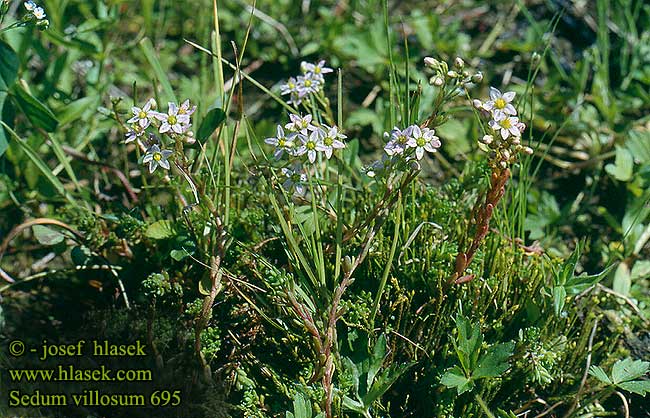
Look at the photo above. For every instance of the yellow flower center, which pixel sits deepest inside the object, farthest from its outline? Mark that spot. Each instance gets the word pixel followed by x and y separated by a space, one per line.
pixel 317 70
pixel 328 141
pixel 281 142
pixel 420 142
pixel 292 85
pixel 505 124
pixel 142 114
pixel 311 145
pixel 500 103
pixel 157 156
pixel 172 120
pixel 307 83
pixel 401 139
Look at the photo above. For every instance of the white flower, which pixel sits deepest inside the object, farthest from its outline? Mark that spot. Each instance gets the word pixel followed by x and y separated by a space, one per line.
pixel 423 140
pixel 307 84
pixel 173 120
pixel 30 6
pixel 185 108
pixel 300 124
pixel 331 140
pixel 316 69
pixel 398 140
pixel 499 104
pixel 281 142
pixel 311 146
pixel 135 132
pixel 142 116
pixel 506 126
pixel 289 87
pixel 295 179
pixel 39 13
pixel 157 158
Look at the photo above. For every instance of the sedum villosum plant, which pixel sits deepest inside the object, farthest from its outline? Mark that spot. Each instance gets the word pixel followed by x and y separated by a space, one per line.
pixel 303 170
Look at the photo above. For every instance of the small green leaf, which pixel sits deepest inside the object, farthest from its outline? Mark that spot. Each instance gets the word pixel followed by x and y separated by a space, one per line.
pixel 599 374
pixel 494 362
pixel 39 114
pixel 622 167
pixel 640 387
pixel 628 369
pixel 160 230
pixel 622 280
pixel 454 378
pixel 210 123
pixel 46 235
pixel 640 270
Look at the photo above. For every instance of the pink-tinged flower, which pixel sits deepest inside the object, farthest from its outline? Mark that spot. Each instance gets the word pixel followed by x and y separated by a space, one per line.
pixel 135 132
pixel 500 104
pixel 423 139
pixel 506 126
pixel 281 142
pixel 398 140
pixel 142 116
pixel 332 140
pixel 301 124
pixel 172 120
pixel 311 146
pixel 186 108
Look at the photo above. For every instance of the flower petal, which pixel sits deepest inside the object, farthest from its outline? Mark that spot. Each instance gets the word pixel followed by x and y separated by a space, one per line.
pixel 509 96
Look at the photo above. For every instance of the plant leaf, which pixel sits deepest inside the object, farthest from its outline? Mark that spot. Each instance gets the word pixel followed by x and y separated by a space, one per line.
pixel 160 230
pixel 210 123
pixel 628 369
pixel 46 235
pixel 454 378
pixel 8 66
pixel 495 361
pixel 622 167
pixel 37 113
pixel 600 374
pixel 622 280
pixel 640 387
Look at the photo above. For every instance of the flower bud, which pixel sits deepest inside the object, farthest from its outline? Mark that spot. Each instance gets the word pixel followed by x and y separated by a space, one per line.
pixel 153 103
pixel 528 150
pixel 535 58
pixel 516 140
pixel 459 63
pixel 43 24
pixel 452 74
pixel 430 62
pixel 347 264
pixel 487 139
pixel 437 81
pixel 477 78
pixel 477 104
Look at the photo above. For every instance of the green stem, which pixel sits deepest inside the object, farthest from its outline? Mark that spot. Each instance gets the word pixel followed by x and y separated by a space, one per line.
pixel 389 263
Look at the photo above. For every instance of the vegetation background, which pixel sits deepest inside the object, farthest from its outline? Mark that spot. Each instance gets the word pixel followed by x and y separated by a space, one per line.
pixel 92 246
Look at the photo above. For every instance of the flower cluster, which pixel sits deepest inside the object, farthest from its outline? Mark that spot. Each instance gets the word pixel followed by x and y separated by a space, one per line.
pixel 175 124
pixel 311 81
pixel 405 147
pixel 503 142
pixel 37 13
pixel 457 76
pixel 301 141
